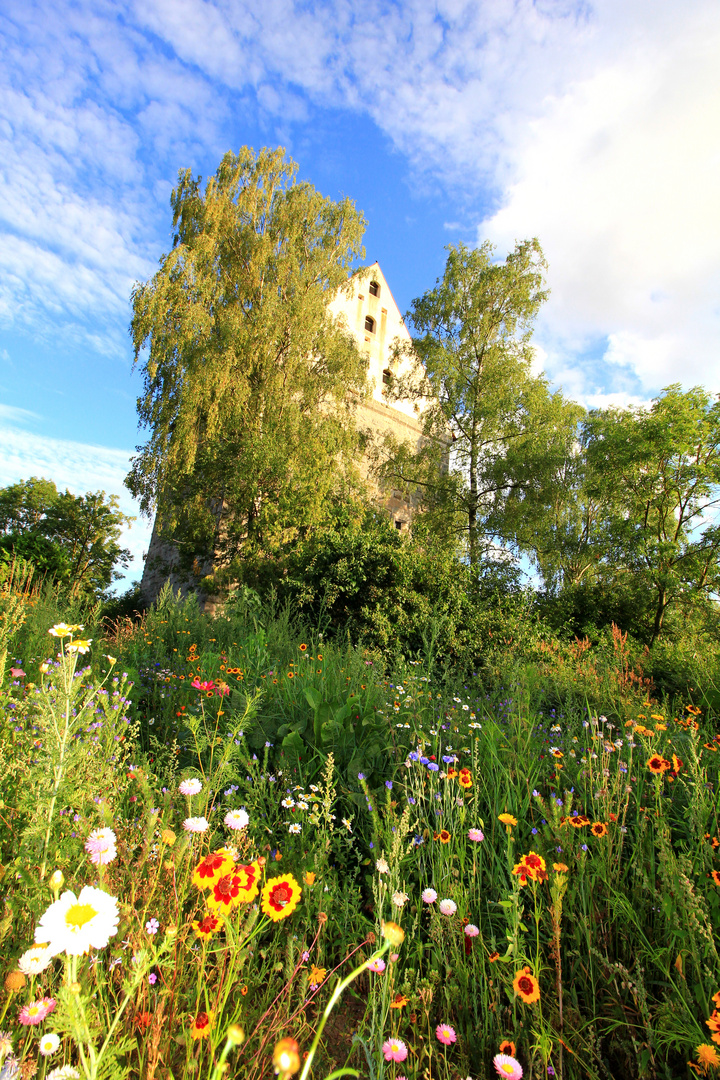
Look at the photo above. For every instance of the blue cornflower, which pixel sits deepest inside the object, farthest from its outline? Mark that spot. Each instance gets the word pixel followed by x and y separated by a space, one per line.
pixel 424 761
pixel 414 756
pixel 361 776
pixel 411 800
pixel 388 784
pixel 433 766
pixel 448 759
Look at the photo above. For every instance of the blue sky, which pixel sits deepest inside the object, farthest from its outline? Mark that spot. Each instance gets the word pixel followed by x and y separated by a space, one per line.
pixel 595 127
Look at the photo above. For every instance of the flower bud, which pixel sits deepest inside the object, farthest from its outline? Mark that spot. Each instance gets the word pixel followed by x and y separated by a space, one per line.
pixel 235 1035
pixel 168 837
pixel 14 981
pixel 286 1058
pixel 393 933
pixel 56 882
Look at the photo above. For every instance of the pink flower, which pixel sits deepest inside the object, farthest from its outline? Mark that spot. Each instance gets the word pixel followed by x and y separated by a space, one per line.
pixel 378 966
pixel 35 1014
pixel 471 930
pixel 193 786
pixel 429 896
pixel 476 834
pixel 100 845
pixel 196 824
pixel 394 1050
pixel 507 1066
pixel 16 672
pixel 446 1034
pixel 448 907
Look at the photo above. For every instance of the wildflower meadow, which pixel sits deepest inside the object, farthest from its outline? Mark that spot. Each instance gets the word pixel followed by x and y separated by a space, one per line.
pixel 231 847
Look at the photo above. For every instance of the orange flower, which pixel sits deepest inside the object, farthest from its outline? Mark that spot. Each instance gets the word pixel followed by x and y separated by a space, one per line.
pixel 493 957
pixel 560 868
pixel 303 647
pixel 707 1057
pixel 444 836
pixel 211 869
pixel 452 773
pixel 508 1047
pixel 465 780
pixel 286 1058
pixel 243 990
pixel 677 763
pixel 201 1026
pixel 599 828
pixel 658 765
pixel 522 872
pixel 207 926
pixel 398 1002
pixel 309 877
pixel 716 877
pixel 280 896
pixel 716 999
pixel 240 886
pixel 508 820
pixel 143 1019
pixel 526 986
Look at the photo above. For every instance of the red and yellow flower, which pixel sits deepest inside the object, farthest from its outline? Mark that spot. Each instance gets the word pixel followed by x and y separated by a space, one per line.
pixel 280 896
pixel 213 867
pixel 201 1026
pixel 207 926
pixel 526 986
pixel 239 886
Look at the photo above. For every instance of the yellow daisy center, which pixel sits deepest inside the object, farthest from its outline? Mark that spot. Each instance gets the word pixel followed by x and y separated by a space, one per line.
pixel 78 915
pixel 507 1069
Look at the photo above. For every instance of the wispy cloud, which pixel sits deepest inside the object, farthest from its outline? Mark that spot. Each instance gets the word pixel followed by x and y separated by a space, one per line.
pixel 591 125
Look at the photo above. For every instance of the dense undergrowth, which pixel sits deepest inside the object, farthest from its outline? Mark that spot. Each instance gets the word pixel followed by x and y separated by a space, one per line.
pixel 543 828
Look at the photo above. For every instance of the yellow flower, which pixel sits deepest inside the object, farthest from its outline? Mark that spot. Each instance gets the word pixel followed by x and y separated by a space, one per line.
pixel 309 877
pixel 280 896
pixel 508 821
pixel 317 975
pixel 201 1025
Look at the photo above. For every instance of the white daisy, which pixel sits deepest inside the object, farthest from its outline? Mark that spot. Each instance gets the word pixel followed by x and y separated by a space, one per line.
pixel 236 819
pixel 76 924
pixel 295 827
pixel 196 824
pixel 49 1044
pixel 35 960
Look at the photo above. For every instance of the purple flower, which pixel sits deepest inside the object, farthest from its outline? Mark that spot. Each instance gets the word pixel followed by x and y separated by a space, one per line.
pixel 152 978
pixel 414 756
pixel 152 926
pixel 424 761
pixel 433 766
pixel 361 776
pixel 388 784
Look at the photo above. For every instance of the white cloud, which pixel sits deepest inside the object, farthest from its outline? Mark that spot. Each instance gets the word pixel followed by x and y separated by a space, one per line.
pixel 77 467
pixel 618 178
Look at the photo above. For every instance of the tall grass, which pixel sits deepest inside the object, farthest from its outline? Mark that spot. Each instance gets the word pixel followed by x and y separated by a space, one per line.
pixel 545 817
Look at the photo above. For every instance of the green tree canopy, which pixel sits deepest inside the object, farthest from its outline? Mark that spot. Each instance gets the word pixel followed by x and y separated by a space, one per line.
pixel 74 538
pixel 656 482
pixel 486 415
pixel 248 381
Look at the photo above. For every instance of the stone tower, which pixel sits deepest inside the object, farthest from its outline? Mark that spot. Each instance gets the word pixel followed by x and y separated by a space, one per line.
pixel 374 319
